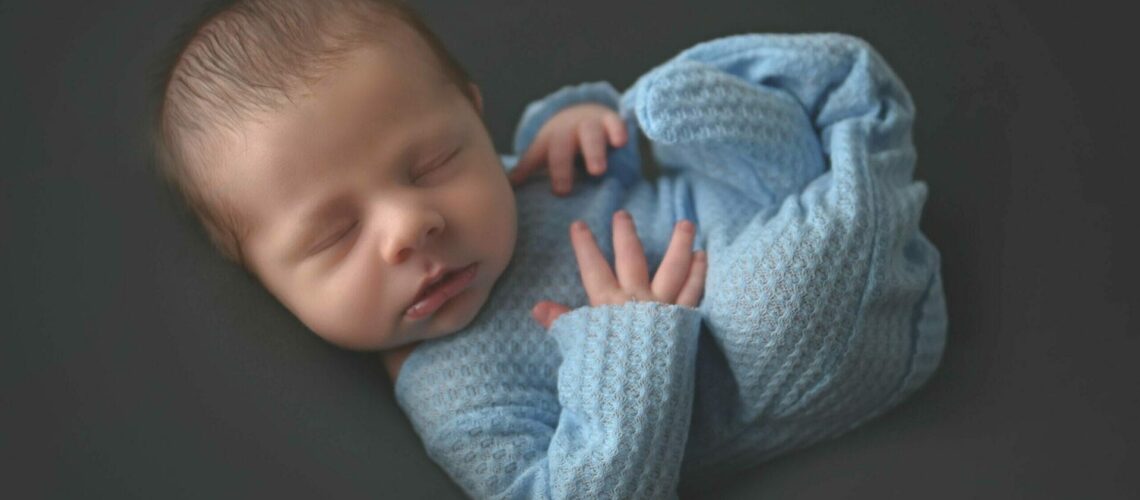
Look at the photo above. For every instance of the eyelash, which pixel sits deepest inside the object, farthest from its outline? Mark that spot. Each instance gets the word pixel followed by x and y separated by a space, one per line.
pixel 439 164
pixel 331 242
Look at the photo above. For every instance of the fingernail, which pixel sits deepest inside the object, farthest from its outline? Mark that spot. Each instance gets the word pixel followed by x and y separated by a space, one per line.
pixel 578 225
pixel 685 225
pixel 623 214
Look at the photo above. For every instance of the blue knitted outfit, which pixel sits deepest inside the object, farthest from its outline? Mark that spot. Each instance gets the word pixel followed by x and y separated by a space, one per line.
pixel 823 303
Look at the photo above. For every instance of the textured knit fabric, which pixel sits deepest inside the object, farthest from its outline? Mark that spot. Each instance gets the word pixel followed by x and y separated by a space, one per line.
pixel 823 304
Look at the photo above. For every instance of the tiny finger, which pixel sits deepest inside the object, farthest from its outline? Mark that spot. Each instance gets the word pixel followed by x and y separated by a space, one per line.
pixel 530 161
pixel 545 312
pixel 675 266
pixel 597 276
pixel 629 256
pixel 592 137
pixel 615 129
pixel 695 285
pixel 562 163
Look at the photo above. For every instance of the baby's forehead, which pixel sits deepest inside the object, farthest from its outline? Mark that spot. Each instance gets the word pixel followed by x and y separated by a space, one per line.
pixel 367 114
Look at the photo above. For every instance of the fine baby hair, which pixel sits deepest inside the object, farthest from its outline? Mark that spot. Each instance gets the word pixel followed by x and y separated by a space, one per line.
pixel 236 59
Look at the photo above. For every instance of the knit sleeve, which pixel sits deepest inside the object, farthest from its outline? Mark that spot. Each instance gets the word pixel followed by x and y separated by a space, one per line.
pixel 618 429
pixel 828 309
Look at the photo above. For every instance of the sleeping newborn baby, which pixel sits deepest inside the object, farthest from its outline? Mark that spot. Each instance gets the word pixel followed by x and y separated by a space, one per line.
pixel 336 152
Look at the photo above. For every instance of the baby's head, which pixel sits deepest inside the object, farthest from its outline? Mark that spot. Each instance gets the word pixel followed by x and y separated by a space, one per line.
pixel 336 152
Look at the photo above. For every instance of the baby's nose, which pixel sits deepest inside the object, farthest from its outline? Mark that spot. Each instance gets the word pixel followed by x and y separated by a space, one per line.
pixel 411 236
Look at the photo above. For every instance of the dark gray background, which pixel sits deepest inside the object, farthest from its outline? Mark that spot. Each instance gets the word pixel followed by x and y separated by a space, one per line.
pixel 138 364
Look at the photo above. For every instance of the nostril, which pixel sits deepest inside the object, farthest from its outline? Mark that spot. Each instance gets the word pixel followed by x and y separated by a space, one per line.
pixel 402 255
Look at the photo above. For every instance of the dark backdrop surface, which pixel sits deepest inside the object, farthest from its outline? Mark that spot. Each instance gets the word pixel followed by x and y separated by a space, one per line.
pixel 137 364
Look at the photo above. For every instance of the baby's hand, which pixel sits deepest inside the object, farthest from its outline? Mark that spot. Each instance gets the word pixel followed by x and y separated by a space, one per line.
pixel 680 279
pixel 584 128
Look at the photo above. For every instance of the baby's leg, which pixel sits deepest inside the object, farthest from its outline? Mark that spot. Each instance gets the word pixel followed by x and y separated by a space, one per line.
pixel 826 310
pixel 754 139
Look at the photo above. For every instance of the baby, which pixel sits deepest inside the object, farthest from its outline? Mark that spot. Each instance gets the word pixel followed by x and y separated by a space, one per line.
pixel 337 152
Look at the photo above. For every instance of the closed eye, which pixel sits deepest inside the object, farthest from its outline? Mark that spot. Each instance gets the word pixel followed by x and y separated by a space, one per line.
pixel 335 239
pixel 439 164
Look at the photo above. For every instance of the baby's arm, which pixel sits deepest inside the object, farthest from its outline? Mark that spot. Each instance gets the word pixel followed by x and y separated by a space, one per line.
pixel 624 389
pixel 616 428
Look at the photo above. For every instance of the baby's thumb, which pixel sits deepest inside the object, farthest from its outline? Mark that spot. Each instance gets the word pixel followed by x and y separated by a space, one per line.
pixel 545 312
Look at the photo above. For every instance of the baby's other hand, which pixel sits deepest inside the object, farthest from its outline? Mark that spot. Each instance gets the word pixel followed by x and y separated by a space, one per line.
pixel 679 280
pixel 583 128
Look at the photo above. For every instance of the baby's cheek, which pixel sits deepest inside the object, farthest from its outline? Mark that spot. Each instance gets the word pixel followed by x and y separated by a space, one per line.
pixel 497 203
pixel 341 313
pixel 362 305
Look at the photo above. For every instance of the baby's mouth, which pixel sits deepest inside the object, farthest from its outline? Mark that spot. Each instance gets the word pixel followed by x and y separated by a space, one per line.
pixel 434 296
pixel 432 287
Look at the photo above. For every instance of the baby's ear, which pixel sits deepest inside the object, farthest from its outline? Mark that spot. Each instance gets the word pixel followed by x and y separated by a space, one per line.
pixel 477 96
